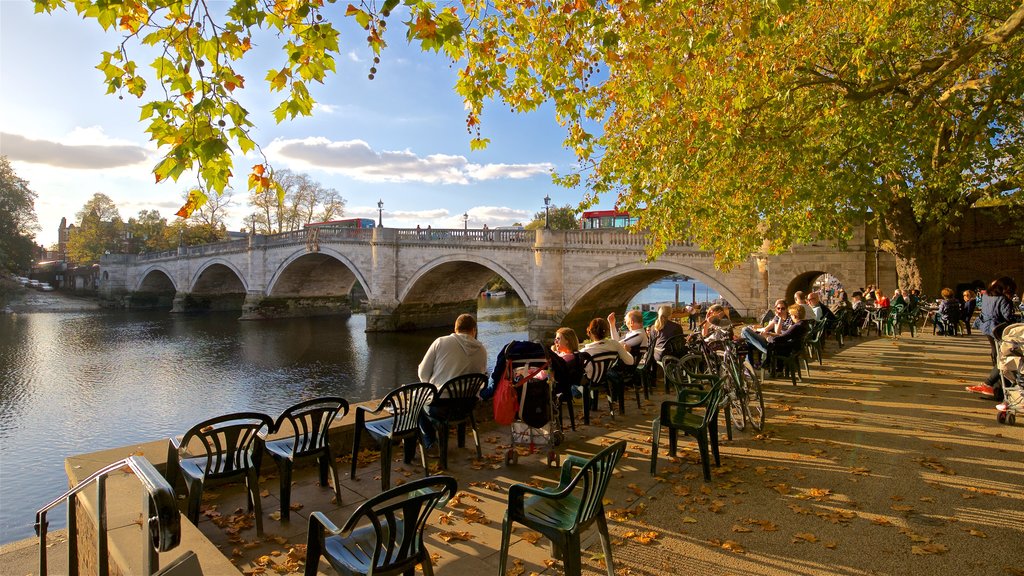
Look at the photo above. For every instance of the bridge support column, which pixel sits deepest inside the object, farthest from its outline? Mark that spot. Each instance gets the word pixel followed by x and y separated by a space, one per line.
pixel 259 307
pixel 541 326
pixel 178 302
pixel 414 316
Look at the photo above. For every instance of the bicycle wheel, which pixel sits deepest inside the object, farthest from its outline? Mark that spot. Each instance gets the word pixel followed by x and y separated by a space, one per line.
pixel 735 398
pixel 754 402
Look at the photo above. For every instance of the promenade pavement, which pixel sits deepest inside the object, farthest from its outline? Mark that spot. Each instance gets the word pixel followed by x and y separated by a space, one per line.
pixel 877 463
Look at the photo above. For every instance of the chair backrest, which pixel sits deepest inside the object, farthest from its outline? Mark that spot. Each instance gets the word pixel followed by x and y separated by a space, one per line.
pixel 398 517
pixel 406 403
pixel 594 477
pixel 675 346
pixel 311 421
pixel 227 442
pixel 597 365
pixel 458 396
pixel 646 363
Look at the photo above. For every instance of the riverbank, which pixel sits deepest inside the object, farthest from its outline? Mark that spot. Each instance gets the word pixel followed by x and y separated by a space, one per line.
pixel 17 299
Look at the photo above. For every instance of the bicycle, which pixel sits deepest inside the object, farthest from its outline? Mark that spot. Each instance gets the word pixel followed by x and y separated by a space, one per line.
pixel 741 387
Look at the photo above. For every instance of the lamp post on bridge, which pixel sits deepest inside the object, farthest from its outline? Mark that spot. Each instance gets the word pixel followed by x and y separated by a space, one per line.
pixel 380 213
pixel 547 214
pixel 465 220
pixel 876 242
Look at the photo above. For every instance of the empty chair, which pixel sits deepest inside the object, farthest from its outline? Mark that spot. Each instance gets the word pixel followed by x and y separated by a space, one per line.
pixel 384 535
pixel 562 513
pixel 226 446
pixel 454 404
pixel 404 405
pixel 310 423
pixel 680 416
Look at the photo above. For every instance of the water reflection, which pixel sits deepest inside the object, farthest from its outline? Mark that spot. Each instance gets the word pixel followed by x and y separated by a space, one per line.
pixel 76 383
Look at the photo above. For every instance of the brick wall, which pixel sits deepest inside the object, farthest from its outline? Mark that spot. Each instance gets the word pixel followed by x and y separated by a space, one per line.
pixel 987 244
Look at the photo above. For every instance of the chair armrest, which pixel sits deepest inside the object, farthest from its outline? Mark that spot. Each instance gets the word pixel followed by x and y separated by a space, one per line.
pixel 321 519
pixel 571 461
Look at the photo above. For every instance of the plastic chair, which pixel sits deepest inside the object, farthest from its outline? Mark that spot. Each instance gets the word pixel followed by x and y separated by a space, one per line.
pixel 384 535
pixel 231 446
pixel 596 368
pixel 454 404
pixel 815 341
pixel 562 513
pixel 310 423
pixel 675 347
pixel 404 405
pixel 680 416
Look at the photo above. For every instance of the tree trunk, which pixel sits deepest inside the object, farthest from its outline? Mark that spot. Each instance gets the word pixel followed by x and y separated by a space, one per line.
pixel 919 248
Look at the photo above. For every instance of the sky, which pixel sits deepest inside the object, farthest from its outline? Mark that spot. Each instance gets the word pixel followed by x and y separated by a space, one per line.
pixel 399 138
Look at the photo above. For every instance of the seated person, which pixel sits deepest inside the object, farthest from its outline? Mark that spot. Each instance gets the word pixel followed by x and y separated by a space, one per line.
pixel 784 343
pixel 881 301
pixel 598 331
pixel 821 312
pixel 717 326
pixel 567 362
pixel 777 325
pixel 636 340
pixel 662 330
pixel 897 298
pixel 967 309
pixel 949 313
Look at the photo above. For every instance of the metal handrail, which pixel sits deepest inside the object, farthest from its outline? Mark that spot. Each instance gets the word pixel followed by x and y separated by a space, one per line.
pixel 158 506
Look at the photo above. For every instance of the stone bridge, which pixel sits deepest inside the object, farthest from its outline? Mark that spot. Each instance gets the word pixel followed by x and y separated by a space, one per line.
pixel 424 278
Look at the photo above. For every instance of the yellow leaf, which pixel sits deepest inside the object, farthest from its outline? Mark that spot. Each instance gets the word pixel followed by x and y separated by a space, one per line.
pixel 805 536
pixel 929 549
pixel 738 528
pixel 977 533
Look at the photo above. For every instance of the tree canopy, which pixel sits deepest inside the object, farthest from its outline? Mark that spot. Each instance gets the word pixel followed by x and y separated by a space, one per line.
pixel 17 220
pixel 558 218
pixel 747 126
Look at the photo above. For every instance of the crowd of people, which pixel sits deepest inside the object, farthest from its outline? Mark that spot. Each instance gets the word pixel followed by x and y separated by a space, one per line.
pixel 783 330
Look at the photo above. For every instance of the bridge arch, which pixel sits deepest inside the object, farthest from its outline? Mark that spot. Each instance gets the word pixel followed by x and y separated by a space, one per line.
pixel 613 289
pixel 468 268
pixel 324 273
pixel 217 285
pixel 155 289
pixel 804 282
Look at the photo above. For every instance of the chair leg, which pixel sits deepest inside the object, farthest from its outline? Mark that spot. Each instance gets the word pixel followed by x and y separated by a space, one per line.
pixel 284 469
pixel 355 451
pixel 443 430
pixel 385 464
pixel 195 496
pixel 427 565
pixel 460 434
pixel 333 469
pixel 586 404
pixel 713 436
pixel 506 534
pixel 606 543
pixel 655 438
pixel 314 539
pixel 636 391
pixel 476 436
pixel 705 464
pixel 572 555
pixel 673 437
pixel 253 484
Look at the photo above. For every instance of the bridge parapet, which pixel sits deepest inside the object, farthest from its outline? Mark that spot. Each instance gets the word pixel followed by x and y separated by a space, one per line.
pixel 461 235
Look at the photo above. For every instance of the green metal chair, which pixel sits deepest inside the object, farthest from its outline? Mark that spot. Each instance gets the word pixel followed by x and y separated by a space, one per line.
pixel 404 405
pixel 562 513
pixel 680 415
pixel 310 423
pixel 384 536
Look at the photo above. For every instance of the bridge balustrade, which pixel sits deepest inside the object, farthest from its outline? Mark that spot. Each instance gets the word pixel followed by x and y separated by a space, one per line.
pixel 406 236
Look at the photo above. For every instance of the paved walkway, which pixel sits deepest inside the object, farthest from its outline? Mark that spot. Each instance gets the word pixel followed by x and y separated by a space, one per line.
pixel 877 463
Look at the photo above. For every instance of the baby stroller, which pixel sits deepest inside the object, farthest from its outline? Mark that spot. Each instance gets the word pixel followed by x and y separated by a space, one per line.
pixel 1011 368
pixel 525 365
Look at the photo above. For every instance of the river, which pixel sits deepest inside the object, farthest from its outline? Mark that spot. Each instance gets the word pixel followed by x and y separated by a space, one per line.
pixel 73 383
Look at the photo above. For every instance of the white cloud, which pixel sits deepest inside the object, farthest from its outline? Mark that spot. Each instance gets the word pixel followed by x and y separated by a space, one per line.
pixel 353 56
pixel 325 108
pixel 83 149
pixel 358 160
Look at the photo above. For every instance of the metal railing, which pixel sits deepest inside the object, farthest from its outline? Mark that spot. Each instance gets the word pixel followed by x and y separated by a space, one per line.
pixel 159 512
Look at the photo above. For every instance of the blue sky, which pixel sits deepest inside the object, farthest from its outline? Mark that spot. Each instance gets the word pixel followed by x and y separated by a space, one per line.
pixel 400 138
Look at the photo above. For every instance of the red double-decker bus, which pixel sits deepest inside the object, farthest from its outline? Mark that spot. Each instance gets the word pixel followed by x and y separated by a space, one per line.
pixel 603 219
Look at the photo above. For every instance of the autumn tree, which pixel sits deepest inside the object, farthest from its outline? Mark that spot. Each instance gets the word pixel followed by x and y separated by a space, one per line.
pixel 746 126
pixel 214 211
pixel 17 220
pixel 304 201
pixel 149 232
pixel 100 230
pixel 558 218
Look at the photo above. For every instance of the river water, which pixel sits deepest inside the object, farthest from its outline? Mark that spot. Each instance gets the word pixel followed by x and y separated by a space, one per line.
pixel 73 383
